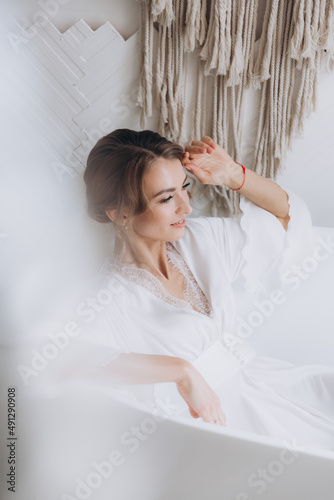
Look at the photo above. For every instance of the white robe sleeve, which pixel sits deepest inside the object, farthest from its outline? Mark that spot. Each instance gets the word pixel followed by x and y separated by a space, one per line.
pixel 254 245
pixel 104 326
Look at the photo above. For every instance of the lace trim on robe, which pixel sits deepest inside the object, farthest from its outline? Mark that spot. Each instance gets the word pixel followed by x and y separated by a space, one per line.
pixel 195 298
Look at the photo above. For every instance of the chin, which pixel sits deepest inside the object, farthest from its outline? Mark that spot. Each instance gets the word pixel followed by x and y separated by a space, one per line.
pixel 177 234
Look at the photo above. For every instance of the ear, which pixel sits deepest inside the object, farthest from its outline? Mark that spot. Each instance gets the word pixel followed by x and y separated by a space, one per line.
pixel 112 214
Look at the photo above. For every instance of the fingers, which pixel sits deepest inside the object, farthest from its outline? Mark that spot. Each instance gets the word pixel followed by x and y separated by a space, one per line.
pixel 193 413
pixel 202 401
pixel 210 142
pixel 217 414
pixel 199 172
pixel 185 157
pixel 194 149
pixel 220 419
pixel 206 146
pixel 213 414
pixel 220 416
pixel 187 163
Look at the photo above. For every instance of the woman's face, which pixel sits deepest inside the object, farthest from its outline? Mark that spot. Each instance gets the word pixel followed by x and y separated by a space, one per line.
pixel 165 185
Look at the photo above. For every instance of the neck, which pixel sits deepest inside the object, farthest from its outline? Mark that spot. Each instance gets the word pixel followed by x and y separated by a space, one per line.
pixel 146 254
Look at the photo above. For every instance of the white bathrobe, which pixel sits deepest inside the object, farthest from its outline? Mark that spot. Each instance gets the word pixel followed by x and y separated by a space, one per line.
pixel 259 394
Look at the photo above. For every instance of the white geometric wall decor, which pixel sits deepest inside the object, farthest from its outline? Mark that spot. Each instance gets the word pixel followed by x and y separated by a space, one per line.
pixel 89 86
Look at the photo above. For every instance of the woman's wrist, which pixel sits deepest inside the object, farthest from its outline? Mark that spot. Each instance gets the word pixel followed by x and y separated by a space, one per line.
pixel 236 176
pixel 184 372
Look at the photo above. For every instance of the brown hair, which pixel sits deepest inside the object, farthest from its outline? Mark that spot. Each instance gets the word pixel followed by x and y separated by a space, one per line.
pixel 115 170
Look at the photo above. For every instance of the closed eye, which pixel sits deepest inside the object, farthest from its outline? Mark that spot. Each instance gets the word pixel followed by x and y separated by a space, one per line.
pixel 170 197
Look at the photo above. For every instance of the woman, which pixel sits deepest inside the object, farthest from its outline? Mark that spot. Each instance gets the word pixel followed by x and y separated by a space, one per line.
pixel 170 326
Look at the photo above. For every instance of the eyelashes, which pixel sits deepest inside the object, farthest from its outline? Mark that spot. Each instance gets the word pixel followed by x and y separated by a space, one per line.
pixel 170 197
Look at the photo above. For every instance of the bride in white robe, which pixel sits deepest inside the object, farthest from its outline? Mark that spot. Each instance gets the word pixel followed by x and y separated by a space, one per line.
pixel 258 394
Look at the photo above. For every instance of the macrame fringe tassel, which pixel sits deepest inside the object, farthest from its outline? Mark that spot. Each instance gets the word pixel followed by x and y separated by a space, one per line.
pixel 327 32
pixel 217 47
pixel 163 11
pixel 145 96
pixel 260 66
pixel 284 64
pixel 193 25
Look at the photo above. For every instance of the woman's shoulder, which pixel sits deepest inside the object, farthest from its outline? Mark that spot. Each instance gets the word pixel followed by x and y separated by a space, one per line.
pixel 212 228
pixel 201 233
pixel 196 230
pixel 203 223
pixel 207 222
pixel 107 288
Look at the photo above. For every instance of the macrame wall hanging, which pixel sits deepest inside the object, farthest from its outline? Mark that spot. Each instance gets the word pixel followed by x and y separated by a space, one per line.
pixel 284 65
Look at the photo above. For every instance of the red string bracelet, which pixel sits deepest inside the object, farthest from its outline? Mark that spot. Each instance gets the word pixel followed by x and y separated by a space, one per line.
pixel 243 182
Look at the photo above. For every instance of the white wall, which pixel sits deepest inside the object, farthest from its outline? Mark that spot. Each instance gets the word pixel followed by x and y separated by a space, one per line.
pixel 310 164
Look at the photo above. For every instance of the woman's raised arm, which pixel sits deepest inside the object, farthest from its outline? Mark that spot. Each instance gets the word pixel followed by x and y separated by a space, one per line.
pixel 211 164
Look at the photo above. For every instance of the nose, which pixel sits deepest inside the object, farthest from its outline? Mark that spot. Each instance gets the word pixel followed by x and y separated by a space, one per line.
pixel 184 206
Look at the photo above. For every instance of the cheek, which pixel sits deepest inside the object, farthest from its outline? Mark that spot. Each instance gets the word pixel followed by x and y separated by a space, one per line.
pixel 160 215
pixel 147 219
pixel 164 211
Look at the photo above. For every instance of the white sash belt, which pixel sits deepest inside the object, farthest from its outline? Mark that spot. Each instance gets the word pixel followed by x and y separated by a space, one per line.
pixel 223 359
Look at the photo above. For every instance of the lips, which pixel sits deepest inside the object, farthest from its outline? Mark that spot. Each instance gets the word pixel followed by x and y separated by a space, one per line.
pixel 180 223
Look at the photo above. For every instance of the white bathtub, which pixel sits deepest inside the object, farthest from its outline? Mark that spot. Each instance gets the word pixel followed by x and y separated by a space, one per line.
pixel 86 439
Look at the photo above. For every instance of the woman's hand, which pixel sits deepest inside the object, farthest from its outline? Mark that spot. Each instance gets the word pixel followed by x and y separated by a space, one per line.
pixel 211 163
pixel 200 398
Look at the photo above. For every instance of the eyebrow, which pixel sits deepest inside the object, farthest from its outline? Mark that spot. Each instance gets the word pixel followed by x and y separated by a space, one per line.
pixel 169 190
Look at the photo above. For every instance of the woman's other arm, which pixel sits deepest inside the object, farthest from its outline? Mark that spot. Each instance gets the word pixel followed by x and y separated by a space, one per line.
pixel 133 368
pixel 212 165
